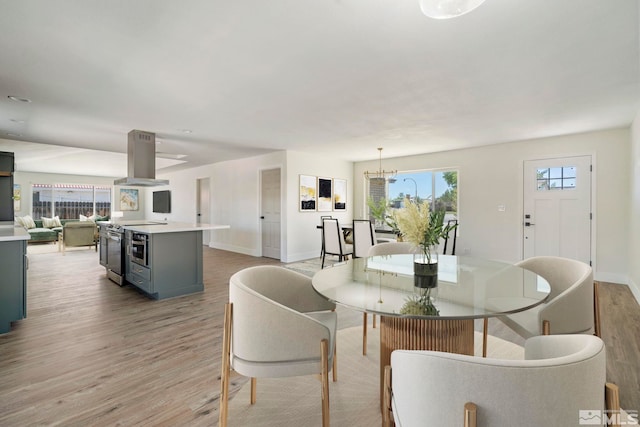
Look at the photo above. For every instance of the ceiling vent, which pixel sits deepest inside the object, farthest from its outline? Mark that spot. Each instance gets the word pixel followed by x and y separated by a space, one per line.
pixel 141 161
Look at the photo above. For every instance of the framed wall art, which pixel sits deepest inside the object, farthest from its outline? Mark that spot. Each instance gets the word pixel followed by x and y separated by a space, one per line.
pixel 128 199
pixel 307 199
pixel 325 194
pixel 339 194
pixel 17 196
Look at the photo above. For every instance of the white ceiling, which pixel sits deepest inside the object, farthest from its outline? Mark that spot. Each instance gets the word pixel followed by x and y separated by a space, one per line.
pixel 338 77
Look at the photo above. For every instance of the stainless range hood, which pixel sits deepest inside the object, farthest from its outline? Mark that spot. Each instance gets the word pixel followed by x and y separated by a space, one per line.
pixel 141 161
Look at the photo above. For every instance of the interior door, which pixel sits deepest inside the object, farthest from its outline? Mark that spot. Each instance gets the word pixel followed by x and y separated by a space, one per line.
pixel 270 213
pixel 202 208
pixel 557 208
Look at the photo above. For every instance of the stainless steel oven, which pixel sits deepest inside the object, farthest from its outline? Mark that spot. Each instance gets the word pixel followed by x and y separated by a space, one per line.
pixel 111 252
pixel 140 248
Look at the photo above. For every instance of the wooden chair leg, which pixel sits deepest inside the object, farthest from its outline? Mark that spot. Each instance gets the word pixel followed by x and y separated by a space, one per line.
pixel 324 348
pixel 485 331
pixel 226 365
pixel 364 334
pixel 253 390
pixel 596 310
pixel 546 327
pixel 470 414
pixel 387 413
pixel 612 402
pixel 334 368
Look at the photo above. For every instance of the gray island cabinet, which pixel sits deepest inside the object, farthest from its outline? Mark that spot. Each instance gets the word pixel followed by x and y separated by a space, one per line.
pixel 13 280
pixel 165 260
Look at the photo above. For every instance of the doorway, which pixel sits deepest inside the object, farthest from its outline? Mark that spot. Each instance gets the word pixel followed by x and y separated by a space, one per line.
pixel 203 214
pixel 270 212
pixel 557 208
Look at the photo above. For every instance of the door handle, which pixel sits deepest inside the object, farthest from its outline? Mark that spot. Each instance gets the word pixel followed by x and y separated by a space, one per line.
pixel 262 217
pixel 528 224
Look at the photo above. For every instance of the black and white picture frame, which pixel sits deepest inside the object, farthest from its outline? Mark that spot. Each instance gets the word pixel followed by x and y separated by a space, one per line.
pixel 307 200
pixel 339 194
pixel 325 194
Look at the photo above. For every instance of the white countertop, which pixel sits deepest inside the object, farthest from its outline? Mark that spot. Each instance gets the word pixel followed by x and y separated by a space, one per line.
pixel 169 227
pixel 9 233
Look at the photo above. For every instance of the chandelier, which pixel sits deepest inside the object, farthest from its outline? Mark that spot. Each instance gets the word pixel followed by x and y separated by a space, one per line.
pixel 381 173
pixel 445 9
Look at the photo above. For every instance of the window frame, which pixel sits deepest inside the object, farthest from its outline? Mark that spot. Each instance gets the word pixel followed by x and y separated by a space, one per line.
pixel 52 211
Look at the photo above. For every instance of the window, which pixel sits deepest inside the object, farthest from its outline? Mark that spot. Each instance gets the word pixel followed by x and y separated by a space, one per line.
pixel 69 201
pixel 440 188
pixel 559 178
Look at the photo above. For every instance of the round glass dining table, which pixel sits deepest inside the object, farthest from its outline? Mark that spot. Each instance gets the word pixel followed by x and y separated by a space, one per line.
pixel 468 289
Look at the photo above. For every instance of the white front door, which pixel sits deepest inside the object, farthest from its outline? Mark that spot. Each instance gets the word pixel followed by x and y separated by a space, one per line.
pixel 270 216
pixel 557 208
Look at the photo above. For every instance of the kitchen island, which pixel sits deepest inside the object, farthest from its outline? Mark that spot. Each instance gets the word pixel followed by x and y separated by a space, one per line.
pixel 164 260
pixel 13 280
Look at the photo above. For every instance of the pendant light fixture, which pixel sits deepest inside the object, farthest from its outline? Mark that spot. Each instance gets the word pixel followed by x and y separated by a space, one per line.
pixel 381 173
pixel 445 9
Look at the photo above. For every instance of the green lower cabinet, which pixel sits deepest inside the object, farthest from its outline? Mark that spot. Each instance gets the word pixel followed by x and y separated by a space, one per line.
pixel 174 265
pixel 13 282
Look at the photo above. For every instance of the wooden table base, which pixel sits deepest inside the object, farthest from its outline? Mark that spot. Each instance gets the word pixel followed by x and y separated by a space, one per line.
pixel 453 336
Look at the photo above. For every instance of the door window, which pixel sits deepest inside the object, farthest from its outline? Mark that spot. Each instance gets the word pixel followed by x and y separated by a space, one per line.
pixel 556 178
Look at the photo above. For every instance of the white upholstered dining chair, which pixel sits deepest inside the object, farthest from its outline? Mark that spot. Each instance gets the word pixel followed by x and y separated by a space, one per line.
pixel 334 243
pixel 364 237
pixel 393 248
pixel 572 304
pixel 277 325
pixel 562 378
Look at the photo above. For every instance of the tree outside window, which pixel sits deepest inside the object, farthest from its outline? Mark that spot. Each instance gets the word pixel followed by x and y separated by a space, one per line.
pixel 440 188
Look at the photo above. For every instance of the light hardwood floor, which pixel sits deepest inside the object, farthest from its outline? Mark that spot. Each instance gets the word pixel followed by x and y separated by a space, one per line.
pixel 92 353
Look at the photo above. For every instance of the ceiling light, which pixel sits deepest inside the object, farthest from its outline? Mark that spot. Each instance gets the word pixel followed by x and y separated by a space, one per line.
pixel 445 9
pixel 15 135
pixel 381 173
pixel 17 121
pixel 18 99
pixel 170 155
pixel 186 130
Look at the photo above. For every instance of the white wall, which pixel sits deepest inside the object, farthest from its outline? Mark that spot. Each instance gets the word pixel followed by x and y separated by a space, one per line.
pixel 491 176
pixel 234 187
pixel 303 238
pixel 235 200
pixel 634 211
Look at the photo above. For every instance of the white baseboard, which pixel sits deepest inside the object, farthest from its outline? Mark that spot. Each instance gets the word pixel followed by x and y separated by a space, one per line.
pixel 610 277
pixel 233 248
pixel 302 256
pixel 635 290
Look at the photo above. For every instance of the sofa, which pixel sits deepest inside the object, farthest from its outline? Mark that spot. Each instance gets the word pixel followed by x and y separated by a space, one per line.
pixel 78 233
pixel 41 234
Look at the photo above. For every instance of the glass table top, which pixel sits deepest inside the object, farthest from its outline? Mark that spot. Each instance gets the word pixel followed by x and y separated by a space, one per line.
pixel 468 288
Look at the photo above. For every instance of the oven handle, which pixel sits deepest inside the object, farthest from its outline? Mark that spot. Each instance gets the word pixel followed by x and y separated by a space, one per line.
pixel 139 242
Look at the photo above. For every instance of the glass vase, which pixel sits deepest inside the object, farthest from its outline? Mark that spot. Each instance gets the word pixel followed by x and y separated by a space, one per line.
pixel 425 270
